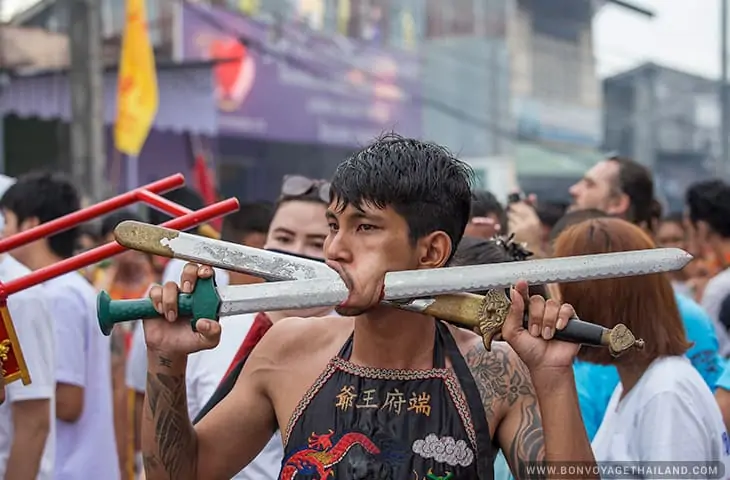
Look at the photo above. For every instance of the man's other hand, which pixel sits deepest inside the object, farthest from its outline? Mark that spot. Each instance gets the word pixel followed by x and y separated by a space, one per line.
pixel 534 343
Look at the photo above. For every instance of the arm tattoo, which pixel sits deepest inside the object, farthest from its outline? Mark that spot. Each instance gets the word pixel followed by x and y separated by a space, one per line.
pixel 174 438
pixel 165 362
pixel 504 384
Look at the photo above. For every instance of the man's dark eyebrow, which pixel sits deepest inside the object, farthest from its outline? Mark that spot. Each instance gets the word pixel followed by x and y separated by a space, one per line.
pixel 357 214
pixel 366 216
pixel 316 236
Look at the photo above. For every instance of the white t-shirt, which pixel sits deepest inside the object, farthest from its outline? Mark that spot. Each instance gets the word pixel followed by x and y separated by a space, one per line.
pixel 87 447
pixel 669 415
pixel 136 372
pixel 34 328
pixel 206 370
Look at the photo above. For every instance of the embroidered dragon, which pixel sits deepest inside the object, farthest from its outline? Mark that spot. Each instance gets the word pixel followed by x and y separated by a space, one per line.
pixel 322 455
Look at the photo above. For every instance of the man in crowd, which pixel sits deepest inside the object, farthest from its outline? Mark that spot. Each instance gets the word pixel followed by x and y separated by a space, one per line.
pixel 618 186
pixel 707 214
pixel 399 204
pixel 708 207
pixel 486 217
pixel 27 425
pixel 86 446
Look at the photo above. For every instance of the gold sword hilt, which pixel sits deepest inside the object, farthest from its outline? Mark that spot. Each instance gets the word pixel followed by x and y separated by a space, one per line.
pixel 486 316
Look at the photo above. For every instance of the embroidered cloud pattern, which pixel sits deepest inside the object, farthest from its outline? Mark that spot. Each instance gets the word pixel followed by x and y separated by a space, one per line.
pixel 444 450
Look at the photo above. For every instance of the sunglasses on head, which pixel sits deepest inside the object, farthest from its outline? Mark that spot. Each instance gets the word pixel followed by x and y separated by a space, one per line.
pixel 298 186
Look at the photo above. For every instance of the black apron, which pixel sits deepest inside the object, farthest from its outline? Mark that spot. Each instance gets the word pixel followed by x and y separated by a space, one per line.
pixel 371 423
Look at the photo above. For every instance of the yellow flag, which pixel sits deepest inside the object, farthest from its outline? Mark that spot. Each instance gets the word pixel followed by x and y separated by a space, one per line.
pixel 343 16
pixel 408 24
pixel 137 96
pixel 249 7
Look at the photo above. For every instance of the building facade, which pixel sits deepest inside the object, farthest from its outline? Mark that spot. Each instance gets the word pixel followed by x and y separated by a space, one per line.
pixel 490 79
pixel 556 98
pixel 430 69
pixel 668 120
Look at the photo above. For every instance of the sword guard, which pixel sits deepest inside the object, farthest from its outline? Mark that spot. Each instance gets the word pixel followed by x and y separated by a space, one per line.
pixel 621 340
pixel 492 315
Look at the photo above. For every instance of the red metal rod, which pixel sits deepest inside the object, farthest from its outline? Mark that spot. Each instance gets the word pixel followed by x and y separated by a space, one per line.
pixel 161 203
pixel 84 215
pixel 173 209
pixel 113 248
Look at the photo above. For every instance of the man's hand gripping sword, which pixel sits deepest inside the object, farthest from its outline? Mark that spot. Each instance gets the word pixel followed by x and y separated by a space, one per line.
pixel 302 283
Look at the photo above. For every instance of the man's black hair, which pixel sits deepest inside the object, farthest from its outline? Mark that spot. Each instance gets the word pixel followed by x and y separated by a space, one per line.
pixel 109 222
pixel 709 201
pixel 484 203
pixel 478 251
pixel 635 180
pixel 423 182
pixel 573 218
pixel 250 218
pixel 45 196
pixel 185 196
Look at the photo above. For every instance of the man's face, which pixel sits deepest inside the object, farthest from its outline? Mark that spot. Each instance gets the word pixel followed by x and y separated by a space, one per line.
pixel 255 240
pixel 596 190
pixel 698 237
pixel 11 227
pixel 298 227
pixel 364 244
pixel 671 235
pixel 86 242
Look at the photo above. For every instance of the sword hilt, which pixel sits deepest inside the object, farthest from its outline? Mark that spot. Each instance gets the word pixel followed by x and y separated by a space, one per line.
pixel 486 315
pixel 204 302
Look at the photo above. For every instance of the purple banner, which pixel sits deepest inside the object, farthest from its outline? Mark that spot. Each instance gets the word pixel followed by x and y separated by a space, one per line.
pixel 288 83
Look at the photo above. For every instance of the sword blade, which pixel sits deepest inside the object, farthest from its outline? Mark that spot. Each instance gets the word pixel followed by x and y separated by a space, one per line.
pixel 477 278
pixel 295 295
pixel 170 243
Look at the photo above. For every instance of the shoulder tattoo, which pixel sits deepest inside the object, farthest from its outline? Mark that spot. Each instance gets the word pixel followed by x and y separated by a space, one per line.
pixel 504 384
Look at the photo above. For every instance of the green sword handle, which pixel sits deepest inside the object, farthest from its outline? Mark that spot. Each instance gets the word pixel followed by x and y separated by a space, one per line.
pixel 203 302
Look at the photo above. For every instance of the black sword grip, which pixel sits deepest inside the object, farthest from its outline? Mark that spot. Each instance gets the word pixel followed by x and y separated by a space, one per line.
pixel 578 331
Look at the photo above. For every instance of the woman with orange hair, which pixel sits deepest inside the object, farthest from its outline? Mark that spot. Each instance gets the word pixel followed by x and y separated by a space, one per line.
pixel 662 410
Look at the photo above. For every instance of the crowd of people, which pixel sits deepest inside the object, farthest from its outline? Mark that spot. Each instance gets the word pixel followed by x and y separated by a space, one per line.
pixel 366 391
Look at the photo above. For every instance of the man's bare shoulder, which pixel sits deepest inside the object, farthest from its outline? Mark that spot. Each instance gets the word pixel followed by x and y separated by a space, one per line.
pixel 290 338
